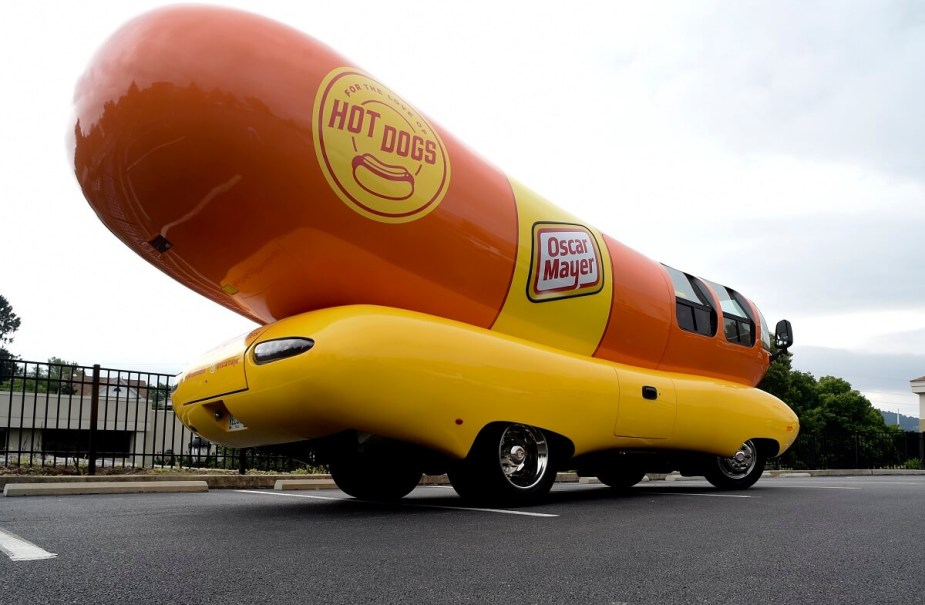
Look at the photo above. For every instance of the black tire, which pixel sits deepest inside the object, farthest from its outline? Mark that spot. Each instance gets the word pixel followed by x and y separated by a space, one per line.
pixel 621 477
pixel 375 477
pixel 739 471
pixel 509 465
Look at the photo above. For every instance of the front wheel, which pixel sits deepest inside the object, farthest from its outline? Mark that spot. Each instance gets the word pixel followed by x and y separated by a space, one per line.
pixel 509 464
pixel 739 471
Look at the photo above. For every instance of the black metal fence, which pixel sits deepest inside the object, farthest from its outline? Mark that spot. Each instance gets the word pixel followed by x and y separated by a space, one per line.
pixel 896 450
pixel 82 418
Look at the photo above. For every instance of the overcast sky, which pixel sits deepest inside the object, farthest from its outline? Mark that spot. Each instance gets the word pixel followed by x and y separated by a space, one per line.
pixel 776 147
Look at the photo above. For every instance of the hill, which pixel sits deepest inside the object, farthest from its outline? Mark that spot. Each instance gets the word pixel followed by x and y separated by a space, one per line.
pixel 906 423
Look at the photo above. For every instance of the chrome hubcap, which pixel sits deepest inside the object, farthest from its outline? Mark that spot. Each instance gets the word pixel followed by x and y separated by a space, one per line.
pixel 523 454
pixel 740 464
pixel 518 454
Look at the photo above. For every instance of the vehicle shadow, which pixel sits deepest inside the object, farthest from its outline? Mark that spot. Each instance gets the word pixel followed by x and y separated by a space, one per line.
pixel 443 499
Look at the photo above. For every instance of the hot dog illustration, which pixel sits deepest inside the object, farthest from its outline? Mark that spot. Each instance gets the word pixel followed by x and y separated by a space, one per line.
pixel 391 182
pixel 417 306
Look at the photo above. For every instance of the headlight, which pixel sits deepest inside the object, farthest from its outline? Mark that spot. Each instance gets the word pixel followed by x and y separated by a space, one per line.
pixel 273 350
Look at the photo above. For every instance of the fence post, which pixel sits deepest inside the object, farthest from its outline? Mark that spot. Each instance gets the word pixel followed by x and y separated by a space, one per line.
pixel 94 417
pixel 242 461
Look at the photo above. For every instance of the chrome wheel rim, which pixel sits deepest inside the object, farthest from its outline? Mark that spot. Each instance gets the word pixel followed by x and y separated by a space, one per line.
pixel 523 454
pixel 740 464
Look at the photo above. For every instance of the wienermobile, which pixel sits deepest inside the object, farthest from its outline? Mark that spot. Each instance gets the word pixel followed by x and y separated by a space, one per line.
pixel 420 311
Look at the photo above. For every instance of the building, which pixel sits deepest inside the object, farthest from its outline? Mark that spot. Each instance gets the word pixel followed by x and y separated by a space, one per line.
pixel 52 426
pixel 117 387
pixel 918 387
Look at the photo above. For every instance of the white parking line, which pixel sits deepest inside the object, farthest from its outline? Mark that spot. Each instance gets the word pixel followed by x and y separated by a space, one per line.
pixel 404 503
pixel 646 491
pixel 823 487
pixel 18 549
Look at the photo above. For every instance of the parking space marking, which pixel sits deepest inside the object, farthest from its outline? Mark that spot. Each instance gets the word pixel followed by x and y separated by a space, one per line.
pixel 823 487
pixel 287 495
pixel 646 491
pixel 501 511
pixel 18 549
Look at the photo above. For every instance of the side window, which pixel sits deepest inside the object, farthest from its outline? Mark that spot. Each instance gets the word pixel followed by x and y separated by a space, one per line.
pixel 765 333
pixel 695 312
pixel 738 322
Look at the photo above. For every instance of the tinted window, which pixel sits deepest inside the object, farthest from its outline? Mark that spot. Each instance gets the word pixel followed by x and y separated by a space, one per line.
pixel 694 310
pixel 738 322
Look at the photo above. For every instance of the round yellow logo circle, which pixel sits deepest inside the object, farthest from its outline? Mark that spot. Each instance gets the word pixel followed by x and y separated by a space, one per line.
pixel 380 156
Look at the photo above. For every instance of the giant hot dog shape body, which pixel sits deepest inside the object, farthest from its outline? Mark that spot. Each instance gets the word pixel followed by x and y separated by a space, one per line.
pixel 262 170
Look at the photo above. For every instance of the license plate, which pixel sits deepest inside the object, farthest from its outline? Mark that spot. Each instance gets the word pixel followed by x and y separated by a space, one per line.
pixel 234 424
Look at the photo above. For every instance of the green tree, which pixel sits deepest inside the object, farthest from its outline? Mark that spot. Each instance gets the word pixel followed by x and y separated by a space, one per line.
pixel 842 408
pixel 804 389
pixel 8 367
pixel 829 404
pixel 62 376
pixel 57 377
pixel 159 395
pixel 9 321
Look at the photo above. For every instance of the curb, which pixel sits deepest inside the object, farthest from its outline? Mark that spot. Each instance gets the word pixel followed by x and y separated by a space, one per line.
pixel 103 487
pixel 303 484
pixel 231 481
pixel 783 474
pixel 847 472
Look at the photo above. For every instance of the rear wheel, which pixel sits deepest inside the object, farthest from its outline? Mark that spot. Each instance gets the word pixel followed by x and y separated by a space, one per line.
pixel 375 476
pixel 509 464
pixel 739 471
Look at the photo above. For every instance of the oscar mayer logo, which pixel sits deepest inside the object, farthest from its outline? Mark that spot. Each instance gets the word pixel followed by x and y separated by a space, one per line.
pixel 381 157
pixel 566 262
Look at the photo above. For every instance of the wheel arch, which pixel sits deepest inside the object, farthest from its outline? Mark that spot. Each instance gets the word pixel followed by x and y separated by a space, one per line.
pixel 562 447
pixel 769 448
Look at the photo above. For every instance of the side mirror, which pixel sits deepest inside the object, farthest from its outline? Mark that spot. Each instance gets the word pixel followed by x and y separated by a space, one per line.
pixel 783 334
pixel 783 338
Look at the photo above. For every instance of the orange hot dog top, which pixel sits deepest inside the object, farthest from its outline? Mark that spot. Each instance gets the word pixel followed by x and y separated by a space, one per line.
pixel 259 168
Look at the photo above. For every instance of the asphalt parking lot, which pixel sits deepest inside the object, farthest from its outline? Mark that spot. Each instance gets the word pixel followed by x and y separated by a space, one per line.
pixel 795 540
